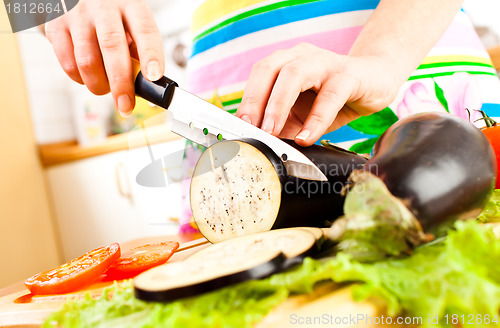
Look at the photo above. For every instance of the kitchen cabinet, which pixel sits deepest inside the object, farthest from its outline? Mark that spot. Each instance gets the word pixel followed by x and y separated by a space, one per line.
pixel 103 199
pixel 28 241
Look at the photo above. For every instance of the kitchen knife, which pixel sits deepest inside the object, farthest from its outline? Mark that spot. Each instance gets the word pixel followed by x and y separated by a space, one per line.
pixel 204 123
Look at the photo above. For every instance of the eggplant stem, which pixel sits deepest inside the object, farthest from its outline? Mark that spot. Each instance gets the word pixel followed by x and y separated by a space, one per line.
pixel 337 230
pixel 375 222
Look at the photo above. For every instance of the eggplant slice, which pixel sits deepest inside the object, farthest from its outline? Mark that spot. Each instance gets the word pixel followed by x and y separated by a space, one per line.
pixel 177 280
pixel 254 256
pixel 242 187
pixel 316 232
pixel 236 189
pixel 294 243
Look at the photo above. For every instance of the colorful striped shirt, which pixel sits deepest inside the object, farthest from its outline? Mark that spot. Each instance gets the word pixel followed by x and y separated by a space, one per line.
pixel 229 36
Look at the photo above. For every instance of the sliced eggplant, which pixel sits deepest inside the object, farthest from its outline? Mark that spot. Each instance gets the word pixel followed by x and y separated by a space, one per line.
pixel 254 256
pixel 294 243
pixel 321 240
pixel 235 190
pixel 177 280
pixel 316 232
pixel 241 187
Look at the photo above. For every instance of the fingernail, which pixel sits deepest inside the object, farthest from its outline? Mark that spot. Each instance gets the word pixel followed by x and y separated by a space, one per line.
pixel 246 118
pixel 126 115
pixel 268 125
pixel 153 71
pixel 303 135
pixel 124 105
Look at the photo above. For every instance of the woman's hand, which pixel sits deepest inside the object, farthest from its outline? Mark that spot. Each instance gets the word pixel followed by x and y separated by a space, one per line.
pixel 95 40
pixel 391 45
pixel 303 92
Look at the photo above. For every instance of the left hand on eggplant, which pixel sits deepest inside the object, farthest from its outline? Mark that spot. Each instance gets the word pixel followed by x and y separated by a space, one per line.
pixel 301 92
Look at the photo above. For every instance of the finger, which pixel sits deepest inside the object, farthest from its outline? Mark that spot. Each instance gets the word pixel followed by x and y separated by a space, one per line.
pixel 274 110
pixel 116 57
pixel 298 115
pixel 259 86
pixel 132 47
pixel 60 38
pixel 141 25
pixel 88 56
pixel 330 100
pixel 295 77
pixel 346 115
pixel 291 128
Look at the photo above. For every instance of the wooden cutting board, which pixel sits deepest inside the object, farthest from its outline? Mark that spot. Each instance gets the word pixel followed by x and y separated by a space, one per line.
pixel 18 308
pixel 329 303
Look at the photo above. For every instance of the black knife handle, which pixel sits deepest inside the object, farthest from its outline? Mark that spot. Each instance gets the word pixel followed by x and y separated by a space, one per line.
pixel 158 92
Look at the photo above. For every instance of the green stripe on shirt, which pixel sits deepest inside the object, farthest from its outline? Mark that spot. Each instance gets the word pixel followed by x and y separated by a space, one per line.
pixel 250 13
pixel 456 63
pixel 423 76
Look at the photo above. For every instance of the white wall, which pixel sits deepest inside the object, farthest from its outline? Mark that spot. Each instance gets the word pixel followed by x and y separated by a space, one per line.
pixel 48 89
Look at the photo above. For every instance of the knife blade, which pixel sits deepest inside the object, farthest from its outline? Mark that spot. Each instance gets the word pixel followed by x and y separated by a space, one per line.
pixel 195 119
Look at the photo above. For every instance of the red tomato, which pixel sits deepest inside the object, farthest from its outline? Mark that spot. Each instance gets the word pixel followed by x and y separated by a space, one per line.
pixel 76 273
pixel 140 259
pixel 493 135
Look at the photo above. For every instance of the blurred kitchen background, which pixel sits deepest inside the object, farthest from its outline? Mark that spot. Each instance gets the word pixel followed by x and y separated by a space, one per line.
pixel 71 167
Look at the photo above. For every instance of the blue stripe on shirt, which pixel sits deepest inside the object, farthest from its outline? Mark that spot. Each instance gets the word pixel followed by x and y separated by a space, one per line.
pixel 279 17
pixel 345 133
pixel 492 110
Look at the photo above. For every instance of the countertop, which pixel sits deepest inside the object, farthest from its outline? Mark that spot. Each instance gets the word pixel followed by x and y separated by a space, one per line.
pixel 64 152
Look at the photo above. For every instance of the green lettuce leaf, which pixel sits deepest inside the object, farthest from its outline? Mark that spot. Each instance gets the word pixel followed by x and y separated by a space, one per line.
pixel 458 275
pixel 491 211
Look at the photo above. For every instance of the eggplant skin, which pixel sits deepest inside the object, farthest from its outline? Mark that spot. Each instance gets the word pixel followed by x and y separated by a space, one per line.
pixel 317 203
pixel 441 166
pixel 261 271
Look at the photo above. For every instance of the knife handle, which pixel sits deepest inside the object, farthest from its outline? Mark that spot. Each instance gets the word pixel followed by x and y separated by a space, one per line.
pixel 158 92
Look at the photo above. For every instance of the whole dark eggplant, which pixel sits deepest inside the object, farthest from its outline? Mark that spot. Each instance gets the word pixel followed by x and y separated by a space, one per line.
pixel 440 165
pixel 427 171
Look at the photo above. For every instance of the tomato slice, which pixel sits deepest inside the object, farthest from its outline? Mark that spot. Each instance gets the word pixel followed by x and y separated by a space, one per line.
pixel 139 259
pixel 76 273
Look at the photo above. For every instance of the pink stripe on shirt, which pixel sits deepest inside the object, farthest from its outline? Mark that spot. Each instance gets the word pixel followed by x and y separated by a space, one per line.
pixel 236 69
